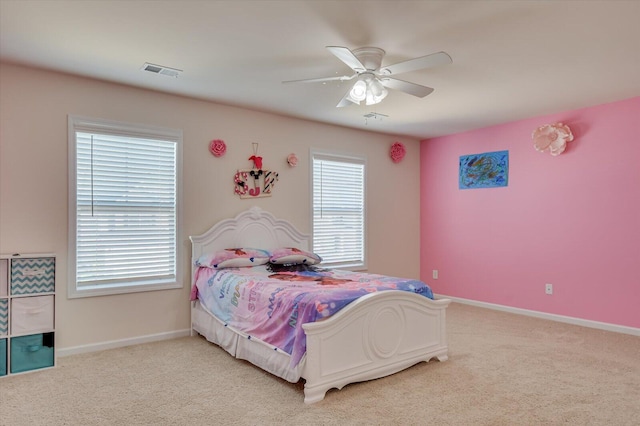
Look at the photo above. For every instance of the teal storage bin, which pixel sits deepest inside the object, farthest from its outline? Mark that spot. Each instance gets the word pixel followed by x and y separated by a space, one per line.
pixel 31 352
pixel 3 357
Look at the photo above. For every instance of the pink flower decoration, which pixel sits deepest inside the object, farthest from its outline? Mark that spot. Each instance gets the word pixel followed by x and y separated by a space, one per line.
pixel 553 137
pixel 397 152
pixel 217 147
pixel 292 160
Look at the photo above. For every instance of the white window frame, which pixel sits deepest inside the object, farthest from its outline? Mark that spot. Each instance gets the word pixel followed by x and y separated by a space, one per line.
pixel 100 126
pixel 358 265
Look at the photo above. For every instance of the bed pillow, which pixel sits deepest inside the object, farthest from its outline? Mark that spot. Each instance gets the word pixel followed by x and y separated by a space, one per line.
pixel 233 258
pixel 293 256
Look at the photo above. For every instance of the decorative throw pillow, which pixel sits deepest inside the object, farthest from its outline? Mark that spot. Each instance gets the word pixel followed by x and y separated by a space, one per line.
pixel 233 258
pixel 293 256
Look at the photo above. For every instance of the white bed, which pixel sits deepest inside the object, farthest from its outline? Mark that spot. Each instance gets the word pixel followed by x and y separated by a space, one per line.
pixel 375 336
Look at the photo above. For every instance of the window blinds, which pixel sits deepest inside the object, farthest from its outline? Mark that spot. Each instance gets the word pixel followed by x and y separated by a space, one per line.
pixel 338 210
pixel 125 210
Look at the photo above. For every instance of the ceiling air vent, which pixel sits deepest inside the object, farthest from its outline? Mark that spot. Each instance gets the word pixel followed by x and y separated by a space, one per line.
pixel 159 69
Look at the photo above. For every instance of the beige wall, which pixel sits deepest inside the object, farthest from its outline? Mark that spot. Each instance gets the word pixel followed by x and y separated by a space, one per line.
pixel 34 105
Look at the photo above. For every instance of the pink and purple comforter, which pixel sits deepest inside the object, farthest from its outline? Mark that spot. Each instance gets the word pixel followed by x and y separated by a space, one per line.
pixel 272 306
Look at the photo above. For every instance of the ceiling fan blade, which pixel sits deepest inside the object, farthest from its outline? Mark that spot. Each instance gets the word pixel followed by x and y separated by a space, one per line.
pixel 347 56
pixel 435 59
pixel 406 87
pixel 322 79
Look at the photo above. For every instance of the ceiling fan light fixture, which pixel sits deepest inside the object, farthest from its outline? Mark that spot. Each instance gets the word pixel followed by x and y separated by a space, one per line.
pixel 358 91
pixel 376 92
pixel 372 99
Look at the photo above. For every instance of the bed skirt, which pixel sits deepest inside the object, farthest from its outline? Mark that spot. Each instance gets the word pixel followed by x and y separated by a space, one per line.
pixel 243 346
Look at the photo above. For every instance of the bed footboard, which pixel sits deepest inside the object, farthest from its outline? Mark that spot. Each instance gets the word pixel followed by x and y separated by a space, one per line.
pixel 377 335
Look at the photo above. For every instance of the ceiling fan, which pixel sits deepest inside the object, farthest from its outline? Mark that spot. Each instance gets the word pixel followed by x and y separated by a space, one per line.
pixel 373 79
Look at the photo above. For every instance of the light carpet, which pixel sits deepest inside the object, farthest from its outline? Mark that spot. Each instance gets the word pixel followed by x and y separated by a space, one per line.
pixel 503 369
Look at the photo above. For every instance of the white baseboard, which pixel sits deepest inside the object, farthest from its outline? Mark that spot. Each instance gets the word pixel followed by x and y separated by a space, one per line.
pixel 62 352
pixel 553 317
pixel 94 347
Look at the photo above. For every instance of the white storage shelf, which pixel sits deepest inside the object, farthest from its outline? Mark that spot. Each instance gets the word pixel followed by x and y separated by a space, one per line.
pixel 27 312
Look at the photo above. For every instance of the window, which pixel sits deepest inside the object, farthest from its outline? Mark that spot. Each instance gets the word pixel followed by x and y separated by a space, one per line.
pixel 124 207
pixel 338 207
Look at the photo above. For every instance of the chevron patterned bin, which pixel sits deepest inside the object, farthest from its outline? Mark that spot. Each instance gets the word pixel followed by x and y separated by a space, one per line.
pixel 4 317
pixel 4 277
pixel 32 276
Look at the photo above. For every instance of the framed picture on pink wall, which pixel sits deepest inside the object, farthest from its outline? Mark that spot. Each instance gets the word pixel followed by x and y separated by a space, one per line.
pixel 486 170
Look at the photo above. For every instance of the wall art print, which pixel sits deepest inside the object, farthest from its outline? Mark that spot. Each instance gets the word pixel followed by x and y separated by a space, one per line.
pixel 255 182
pixel 486 170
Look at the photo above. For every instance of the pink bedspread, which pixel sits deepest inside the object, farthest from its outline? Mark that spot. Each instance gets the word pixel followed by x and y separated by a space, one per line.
pixel 273 306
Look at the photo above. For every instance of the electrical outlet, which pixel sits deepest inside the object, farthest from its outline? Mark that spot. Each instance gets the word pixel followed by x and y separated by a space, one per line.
pixel 548 288
pixel 435 274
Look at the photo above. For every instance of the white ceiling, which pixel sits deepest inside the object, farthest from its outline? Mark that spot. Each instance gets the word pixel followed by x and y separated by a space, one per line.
pixel 511 59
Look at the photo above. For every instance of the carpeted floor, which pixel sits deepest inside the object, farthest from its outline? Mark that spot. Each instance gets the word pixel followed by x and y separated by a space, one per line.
pixel 503 369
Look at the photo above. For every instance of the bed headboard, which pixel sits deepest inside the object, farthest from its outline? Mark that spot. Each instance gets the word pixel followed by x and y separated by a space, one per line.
pixel 253 228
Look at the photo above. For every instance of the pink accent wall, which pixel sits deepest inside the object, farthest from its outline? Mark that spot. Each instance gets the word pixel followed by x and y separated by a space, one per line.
pixel 571 220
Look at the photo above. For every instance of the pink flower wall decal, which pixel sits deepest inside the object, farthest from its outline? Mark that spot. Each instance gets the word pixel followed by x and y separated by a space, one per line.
pixel 553 137
pixel 217 147
pixel 397 152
